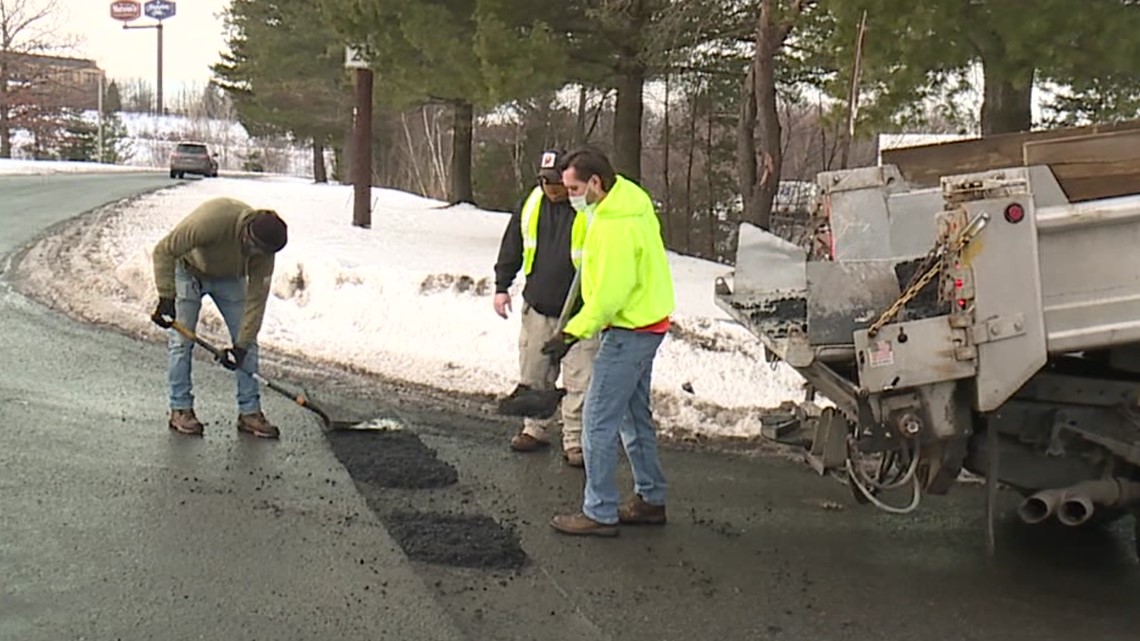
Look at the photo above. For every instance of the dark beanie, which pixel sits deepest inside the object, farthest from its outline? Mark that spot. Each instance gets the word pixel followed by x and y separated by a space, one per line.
pixel 268 230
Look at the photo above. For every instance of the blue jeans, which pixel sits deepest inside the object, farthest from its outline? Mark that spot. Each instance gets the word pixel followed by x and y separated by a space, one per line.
pixel 617 404
pixel 228 295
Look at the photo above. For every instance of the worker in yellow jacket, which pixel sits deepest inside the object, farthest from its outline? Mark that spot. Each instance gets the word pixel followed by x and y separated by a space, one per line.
pixel 627 298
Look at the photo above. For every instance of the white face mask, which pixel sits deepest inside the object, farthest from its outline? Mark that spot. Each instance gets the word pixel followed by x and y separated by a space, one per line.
pixel 580 203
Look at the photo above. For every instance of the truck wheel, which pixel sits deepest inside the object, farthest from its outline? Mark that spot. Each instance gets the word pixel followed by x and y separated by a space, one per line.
pixel 173 174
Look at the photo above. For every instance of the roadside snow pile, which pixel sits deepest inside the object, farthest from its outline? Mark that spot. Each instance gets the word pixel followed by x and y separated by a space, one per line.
pixel 409 299
pixel 32 167
pixel 153 138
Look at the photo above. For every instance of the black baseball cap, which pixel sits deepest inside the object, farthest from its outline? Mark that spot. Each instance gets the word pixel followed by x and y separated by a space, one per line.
pixel 550 165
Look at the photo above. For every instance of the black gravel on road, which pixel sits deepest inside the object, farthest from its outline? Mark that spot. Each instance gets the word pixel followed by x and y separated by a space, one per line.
pixel 456 540
pixel 391 459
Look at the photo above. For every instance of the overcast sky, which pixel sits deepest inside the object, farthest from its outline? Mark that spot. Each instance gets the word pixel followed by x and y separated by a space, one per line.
pixel 192 40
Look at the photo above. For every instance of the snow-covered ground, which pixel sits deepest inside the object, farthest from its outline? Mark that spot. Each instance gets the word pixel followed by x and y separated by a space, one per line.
pixel 153 138
pixel 29 167
pixel 410 299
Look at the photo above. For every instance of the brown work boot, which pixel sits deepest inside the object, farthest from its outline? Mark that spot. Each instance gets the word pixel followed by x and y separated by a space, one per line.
pixel 635 511
pixel 573 456
pixel 581 525
pixel 185 422
pixel 257 425
pixel 523 442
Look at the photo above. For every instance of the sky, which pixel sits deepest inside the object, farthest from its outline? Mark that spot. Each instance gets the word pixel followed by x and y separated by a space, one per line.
pixel 192 40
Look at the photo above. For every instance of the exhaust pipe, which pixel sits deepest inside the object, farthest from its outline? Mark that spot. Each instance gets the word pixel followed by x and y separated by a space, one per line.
pixel 1040 506
pixel 1079 502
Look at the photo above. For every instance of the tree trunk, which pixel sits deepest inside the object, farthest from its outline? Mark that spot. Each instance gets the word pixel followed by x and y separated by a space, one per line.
pixel 689 215
pixel 627 122
pixel 462 134
pixel 344 161
pixel 746 147
pixel 1007 98
pixel 5 133
pixel 711 202
pixel 580 119
pixel 320 175
pixel 769 39
pixel 665 171
pixel 382 145
pixel 5 114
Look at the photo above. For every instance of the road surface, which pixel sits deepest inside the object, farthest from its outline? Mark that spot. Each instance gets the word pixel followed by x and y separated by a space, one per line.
pixel 113 528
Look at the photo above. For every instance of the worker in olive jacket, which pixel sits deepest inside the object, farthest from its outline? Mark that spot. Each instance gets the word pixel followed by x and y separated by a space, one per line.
pixel 223 249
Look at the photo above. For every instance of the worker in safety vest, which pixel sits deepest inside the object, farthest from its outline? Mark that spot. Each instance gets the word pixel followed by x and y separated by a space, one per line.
pixel 544 239
pixel 627 289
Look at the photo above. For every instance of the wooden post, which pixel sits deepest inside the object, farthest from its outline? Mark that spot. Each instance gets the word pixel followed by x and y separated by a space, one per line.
pixel 362 171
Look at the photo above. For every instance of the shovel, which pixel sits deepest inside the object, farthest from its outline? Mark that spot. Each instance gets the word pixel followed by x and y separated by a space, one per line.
pixel 539 403
pixel 298 398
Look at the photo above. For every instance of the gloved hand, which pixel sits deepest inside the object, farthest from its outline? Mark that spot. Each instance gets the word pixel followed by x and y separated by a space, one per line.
pixel 557 347
pixel 232 357
pixel 165 313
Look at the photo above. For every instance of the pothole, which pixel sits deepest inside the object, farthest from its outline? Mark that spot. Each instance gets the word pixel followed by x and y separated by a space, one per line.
pixel 456 540
pixel 391 459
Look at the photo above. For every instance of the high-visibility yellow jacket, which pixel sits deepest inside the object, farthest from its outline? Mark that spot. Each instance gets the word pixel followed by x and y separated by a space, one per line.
pixel 626 279
pixel 529 224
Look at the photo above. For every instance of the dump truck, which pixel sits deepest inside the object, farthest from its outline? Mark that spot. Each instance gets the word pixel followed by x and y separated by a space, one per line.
pixel 987 325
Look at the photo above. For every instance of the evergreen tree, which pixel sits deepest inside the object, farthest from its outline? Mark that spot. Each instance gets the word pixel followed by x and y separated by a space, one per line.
pixel 117 142
pixel 78 140
pixel 914 48
pixel 423 52
pixel 112 99
pixel 284 71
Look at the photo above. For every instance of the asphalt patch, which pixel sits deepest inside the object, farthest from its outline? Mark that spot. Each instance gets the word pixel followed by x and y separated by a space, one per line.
pixel 391 459
pixel 467 541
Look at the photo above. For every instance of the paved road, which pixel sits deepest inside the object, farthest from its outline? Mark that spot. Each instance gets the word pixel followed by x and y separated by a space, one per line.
pixel 112 528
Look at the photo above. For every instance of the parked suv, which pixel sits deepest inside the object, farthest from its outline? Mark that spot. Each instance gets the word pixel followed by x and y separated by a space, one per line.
pixel 192 158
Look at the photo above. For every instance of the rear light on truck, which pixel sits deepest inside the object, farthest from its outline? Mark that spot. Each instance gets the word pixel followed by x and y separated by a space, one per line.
pixel 1014 213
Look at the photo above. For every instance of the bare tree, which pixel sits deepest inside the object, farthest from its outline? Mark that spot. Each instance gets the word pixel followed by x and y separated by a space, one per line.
pixel 27 28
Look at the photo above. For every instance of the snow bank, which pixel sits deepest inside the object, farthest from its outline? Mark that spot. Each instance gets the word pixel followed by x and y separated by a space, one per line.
pixel 32 167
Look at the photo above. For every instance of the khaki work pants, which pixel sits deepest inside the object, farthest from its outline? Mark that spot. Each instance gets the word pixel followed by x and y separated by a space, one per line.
pixel 539 371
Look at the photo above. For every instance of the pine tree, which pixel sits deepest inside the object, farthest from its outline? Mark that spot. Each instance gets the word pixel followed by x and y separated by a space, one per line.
pixel 112 99
pixel 78 141
pixel 117 141
pixel 284 72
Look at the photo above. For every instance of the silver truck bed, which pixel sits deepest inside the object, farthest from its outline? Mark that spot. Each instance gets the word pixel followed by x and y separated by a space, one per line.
pixel 1088 262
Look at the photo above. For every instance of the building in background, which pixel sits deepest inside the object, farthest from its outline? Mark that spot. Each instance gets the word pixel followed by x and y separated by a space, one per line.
pixel 54 82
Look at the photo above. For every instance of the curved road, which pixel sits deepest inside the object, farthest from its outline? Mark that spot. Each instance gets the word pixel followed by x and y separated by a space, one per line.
pixel 111 527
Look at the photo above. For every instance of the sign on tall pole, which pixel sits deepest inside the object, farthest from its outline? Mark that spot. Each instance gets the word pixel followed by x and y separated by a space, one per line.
pixel 355 59
pixel 159 10
pixel 126 10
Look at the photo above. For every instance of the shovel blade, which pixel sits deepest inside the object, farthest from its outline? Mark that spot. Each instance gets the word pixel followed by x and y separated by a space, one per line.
pixel 532 403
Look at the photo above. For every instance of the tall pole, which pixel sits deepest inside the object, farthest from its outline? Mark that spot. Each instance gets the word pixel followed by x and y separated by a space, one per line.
pixel 158 107
pixel 362 141
pixel 161 109
pixel 100 117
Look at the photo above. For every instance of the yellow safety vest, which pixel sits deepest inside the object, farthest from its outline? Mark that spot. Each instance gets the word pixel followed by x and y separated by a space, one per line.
pixel 529 226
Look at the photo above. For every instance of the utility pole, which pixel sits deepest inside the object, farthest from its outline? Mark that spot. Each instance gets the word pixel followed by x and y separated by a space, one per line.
pixel 362 138
pixel 100 117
